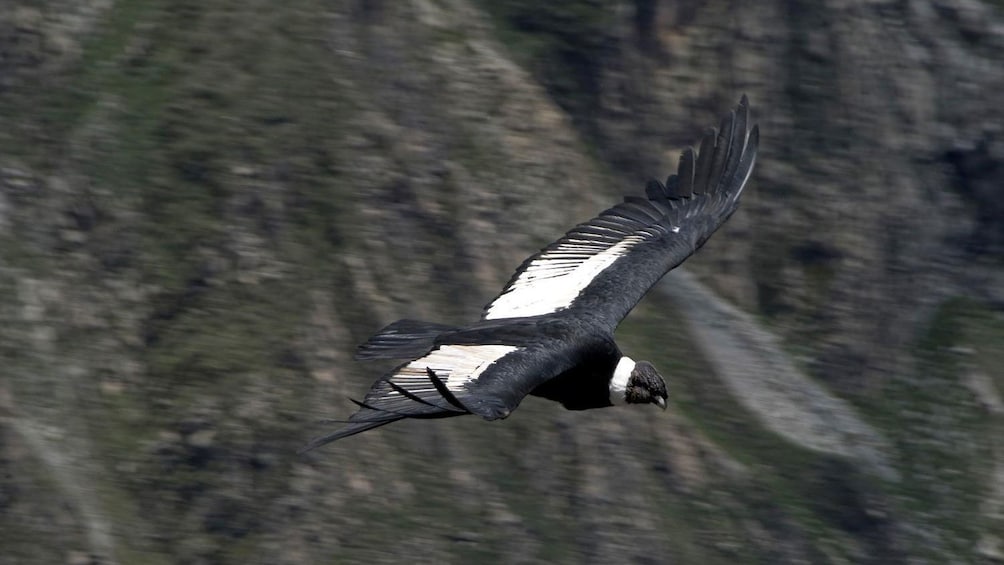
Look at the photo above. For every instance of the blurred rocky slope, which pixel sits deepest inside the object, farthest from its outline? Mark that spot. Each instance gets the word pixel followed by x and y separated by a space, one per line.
pixel 204 206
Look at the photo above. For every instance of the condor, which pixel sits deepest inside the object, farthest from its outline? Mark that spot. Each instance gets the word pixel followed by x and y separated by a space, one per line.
pixel 549 332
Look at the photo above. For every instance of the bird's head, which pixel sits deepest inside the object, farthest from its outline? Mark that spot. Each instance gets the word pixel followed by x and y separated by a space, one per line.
pixel 637 383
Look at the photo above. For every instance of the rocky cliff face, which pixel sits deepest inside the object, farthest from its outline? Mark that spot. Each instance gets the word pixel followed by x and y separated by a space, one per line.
pixel 205 206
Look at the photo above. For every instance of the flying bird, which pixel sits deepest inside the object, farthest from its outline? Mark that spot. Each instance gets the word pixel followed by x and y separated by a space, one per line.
pixel 549 333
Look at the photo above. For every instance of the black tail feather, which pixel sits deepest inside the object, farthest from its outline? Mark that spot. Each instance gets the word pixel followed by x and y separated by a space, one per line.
pixel 445 391
pixel 412 396
pixel 404 339
pixel 364 406
pixel 350 429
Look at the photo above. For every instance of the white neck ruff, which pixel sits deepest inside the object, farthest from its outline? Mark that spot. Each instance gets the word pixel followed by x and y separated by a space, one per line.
pixel 619 382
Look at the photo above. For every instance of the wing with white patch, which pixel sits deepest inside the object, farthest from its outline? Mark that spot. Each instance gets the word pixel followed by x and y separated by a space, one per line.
pixel 454 379
pixel 604 266
pixel 437 382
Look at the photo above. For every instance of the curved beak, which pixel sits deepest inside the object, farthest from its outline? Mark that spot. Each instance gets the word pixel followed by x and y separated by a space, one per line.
pixel 660 402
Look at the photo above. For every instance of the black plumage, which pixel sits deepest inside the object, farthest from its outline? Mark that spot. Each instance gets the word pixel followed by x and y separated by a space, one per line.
pixel 549 333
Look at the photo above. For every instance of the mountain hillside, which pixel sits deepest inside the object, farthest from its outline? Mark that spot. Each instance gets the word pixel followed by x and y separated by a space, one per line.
pixel 205 207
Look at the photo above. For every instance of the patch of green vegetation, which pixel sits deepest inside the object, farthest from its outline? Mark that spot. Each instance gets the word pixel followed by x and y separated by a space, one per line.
pixel 827 497
pixel 122 510
pixel 944 437
pixel 189 107
pixel 499 453
pixel 563 44
pixel 811 82
pixel 224 333
pixel 701 528
pixel 31 500
pixel 436 514
pixel 767 269
pixel 820 278
pixel 60 105
pixel 18 255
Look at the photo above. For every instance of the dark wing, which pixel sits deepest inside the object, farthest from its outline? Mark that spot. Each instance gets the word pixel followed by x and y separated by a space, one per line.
pixel 603 267
pixel 439 384
pixel 404 339
pixel 437 381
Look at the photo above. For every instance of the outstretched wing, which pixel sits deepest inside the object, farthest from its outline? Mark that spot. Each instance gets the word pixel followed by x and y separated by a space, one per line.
pixel 436 385
pixel 603 267
pixel 437 381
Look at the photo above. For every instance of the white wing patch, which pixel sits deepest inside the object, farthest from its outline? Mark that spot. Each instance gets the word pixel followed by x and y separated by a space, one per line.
pixel 456 365
pixel 555 278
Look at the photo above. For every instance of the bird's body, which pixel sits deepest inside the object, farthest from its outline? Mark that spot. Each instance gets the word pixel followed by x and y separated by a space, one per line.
pixel 550 332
